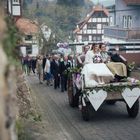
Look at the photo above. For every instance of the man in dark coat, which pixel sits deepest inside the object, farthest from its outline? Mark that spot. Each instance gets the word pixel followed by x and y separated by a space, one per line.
pixel 33 64
pixel 44 62
pixel 64 66
pixel 55 71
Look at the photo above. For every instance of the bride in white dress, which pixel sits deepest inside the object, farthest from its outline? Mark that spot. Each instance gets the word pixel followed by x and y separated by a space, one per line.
pixel 95 67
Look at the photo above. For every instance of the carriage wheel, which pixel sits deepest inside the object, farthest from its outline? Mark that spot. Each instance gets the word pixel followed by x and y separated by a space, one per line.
pixel 70 93
pixel 86 112
pixel 133 112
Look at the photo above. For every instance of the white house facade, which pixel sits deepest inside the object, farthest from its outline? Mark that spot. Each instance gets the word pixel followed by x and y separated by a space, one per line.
pixel 30 37
pixel 91 29
pixel 14 8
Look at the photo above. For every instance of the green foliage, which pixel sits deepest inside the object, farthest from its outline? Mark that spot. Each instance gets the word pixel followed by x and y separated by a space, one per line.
pixel 61 17
pixel 131 66
pixel 11 40
pixel 74 70
pixel 35 116
pixel 20 130
pixel 113 89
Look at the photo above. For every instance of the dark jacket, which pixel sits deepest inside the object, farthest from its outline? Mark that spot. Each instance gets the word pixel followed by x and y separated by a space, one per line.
pixel 54 67
pixel 34 63
pixel 63 68
pixel 117 58
pixel 44 62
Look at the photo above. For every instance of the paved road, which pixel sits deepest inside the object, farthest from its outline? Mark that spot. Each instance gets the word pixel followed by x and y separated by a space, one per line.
pixel 61 122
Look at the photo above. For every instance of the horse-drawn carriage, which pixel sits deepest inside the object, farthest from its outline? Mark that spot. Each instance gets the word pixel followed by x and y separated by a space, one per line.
pixel 83 94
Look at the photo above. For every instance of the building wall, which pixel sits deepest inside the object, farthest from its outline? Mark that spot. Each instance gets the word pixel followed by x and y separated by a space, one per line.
pixel 111 19
pixel 94 33
pixel 32 45
pixel 133 11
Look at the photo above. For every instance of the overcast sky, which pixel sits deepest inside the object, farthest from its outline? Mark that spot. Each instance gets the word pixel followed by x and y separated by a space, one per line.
pixel 106 2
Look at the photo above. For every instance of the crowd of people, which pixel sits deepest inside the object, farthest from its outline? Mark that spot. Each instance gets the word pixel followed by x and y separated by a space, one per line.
pixel 54 68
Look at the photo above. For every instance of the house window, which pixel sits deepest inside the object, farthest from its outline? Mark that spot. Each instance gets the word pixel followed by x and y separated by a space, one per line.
pixel 85 38
pixel 99 26
pixel 99 31
pixel 94 19
pixel 127 21
pixel 84 31
pixel 104 25
pixel 97 38
pixel 28 37
pixel 99 19
pixel 91 26
pixel 28 50
pixel 93 38
pixel 110 20
pixel 104 19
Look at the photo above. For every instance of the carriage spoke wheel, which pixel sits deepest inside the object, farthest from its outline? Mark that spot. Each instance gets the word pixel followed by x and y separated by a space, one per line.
pixel 86 112
pixel 70 93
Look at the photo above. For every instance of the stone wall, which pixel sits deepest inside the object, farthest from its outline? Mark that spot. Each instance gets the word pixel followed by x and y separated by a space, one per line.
pixel 8 109
pixel 23 95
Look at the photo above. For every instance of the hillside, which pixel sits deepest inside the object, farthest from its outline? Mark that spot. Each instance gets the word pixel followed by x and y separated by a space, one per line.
pixel 60 16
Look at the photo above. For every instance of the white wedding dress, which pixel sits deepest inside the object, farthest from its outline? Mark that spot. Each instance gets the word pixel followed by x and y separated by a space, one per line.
pixel 92 70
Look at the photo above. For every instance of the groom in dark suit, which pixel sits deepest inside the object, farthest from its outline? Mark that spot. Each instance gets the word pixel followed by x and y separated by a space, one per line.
pixel 64 66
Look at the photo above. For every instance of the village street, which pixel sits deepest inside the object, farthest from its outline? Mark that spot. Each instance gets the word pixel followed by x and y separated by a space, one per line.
pixel 61 122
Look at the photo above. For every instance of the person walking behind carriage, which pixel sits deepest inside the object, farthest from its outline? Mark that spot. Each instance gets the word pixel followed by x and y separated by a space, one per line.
pixel 33 64
pixel 25 64
pixel 44 62
pixel 55 71
pixel 39 67
pixel 29 65
pixel 64 66
pixel 47 71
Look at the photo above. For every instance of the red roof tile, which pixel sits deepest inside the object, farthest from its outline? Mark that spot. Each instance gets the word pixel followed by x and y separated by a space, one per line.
pixel 27 26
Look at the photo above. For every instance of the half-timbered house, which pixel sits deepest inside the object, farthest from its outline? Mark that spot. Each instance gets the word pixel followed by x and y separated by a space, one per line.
pixel 91 29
